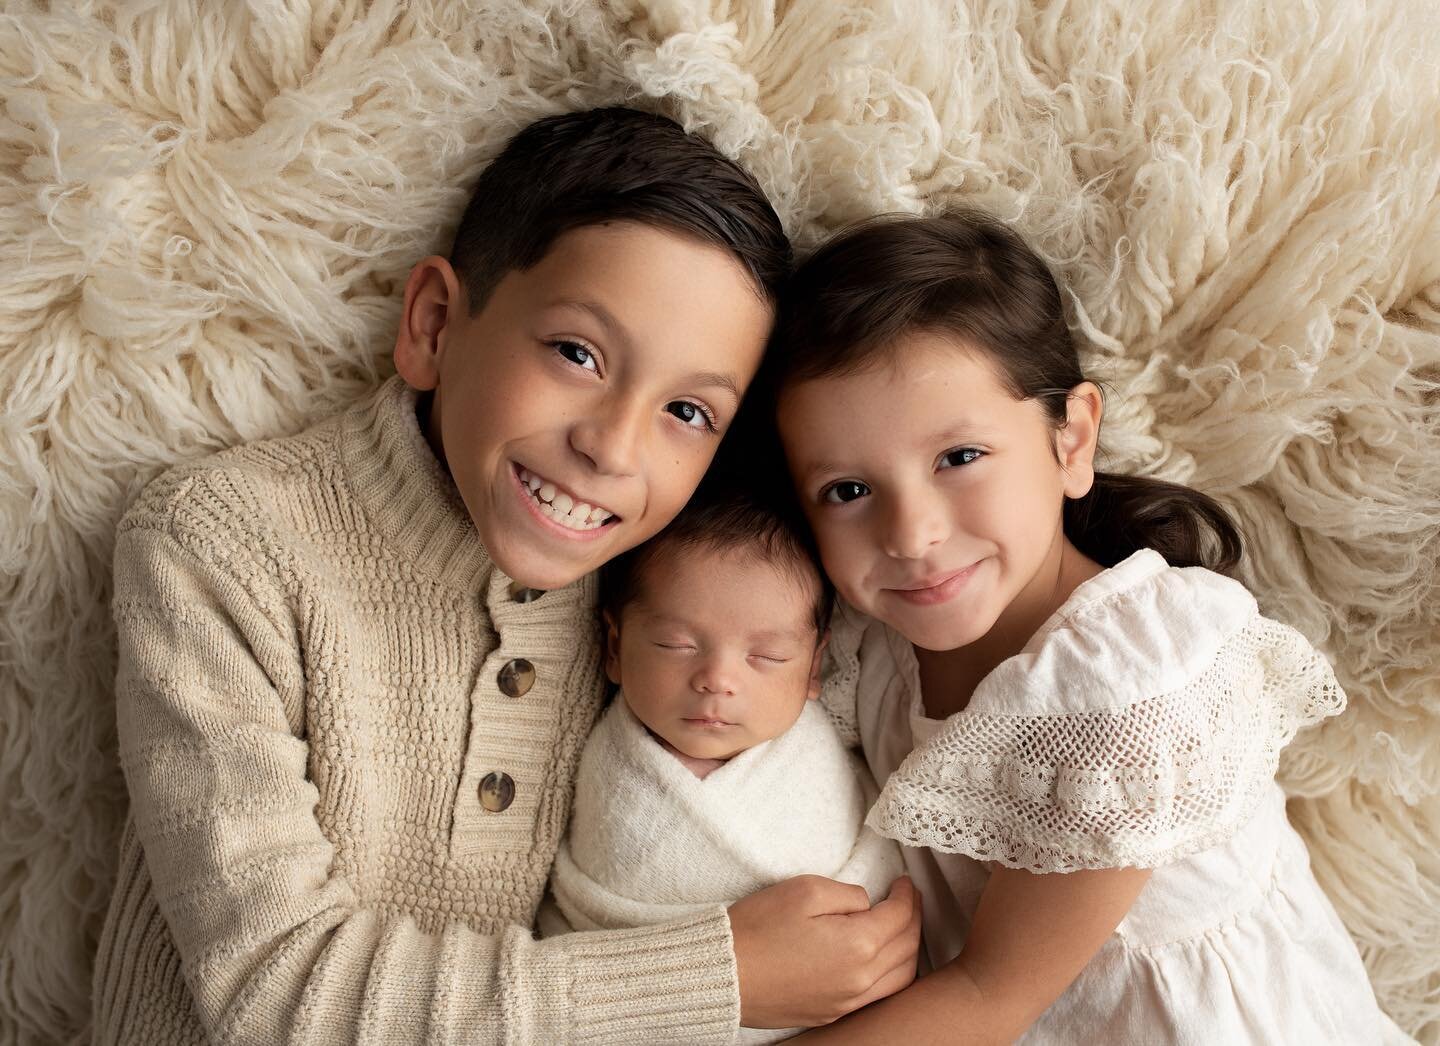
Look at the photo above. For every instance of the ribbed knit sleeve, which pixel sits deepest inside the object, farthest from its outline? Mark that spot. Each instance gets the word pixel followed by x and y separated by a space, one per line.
pixel 273 944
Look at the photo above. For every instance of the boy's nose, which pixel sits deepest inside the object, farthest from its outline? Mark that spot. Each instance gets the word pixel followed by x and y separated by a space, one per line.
pixel 612 437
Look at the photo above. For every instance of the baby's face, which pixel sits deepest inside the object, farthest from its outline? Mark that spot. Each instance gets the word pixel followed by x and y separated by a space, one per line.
pixel 719 652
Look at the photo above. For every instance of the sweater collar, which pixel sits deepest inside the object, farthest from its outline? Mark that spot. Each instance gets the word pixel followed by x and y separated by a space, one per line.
pixel 405 490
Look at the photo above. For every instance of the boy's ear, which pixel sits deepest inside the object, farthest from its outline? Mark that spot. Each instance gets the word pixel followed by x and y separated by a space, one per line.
pixel 612 647
pixel 433 296
pixel 816 663
pixel 1077 441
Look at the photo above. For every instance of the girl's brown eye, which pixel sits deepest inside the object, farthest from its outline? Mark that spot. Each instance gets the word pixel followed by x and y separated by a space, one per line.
pixel 844 491
pixel 961 456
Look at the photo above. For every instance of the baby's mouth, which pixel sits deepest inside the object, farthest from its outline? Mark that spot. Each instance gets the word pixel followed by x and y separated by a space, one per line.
pixel 562 506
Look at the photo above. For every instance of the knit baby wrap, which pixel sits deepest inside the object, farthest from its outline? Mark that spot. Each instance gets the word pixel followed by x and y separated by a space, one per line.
pixel 649 842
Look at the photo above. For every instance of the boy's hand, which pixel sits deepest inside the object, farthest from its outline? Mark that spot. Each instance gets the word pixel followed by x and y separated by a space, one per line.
pixel 810 950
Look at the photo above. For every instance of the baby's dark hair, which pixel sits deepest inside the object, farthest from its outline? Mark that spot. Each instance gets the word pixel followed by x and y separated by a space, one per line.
pixel 605 165
pixel 968 276
pixel 723 517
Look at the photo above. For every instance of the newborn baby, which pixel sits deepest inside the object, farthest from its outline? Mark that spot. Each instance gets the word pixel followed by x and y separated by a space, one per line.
pixel 714 773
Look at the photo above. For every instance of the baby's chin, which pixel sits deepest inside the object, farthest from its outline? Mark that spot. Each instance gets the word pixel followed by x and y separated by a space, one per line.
pixel 702 766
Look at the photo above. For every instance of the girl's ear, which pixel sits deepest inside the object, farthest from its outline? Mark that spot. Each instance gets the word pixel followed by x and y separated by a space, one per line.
pixel 1077 441
pixel 612 647
pixel 813 690
pixel 433 296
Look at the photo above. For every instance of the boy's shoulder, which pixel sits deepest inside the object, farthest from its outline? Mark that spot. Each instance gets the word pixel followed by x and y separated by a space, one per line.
pixel 243 487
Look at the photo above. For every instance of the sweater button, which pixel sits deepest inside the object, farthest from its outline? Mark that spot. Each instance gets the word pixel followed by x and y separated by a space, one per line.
pixel 521 594
pixel 497 791
pixel 516 678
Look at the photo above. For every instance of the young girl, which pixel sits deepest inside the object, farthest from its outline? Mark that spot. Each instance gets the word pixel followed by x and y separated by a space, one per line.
pixel 1077 714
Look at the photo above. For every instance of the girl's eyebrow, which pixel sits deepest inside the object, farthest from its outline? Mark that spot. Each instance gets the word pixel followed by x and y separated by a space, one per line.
pixel 960 432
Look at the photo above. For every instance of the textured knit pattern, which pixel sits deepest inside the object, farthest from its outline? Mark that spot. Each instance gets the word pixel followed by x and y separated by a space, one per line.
pixel 310 639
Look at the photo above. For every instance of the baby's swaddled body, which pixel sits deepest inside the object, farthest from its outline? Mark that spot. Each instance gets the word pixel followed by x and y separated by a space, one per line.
pixel 650 842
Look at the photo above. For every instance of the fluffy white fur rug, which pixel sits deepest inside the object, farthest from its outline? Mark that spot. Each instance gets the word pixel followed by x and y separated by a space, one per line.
pixel 207 211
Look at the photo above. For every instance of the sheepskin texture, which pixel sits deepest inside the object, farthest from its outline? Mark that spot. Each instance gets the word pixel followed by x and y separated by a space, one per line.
pixel 208 210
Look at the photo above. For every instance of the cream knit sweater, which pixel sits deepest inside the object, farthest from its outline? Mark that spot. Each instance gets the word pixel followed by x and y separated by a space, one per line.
pixel 313 718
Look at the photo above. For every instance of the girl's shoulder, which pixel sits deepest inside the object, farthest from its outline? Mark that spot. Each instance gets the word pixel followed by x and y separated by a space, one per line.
pixel 1137 630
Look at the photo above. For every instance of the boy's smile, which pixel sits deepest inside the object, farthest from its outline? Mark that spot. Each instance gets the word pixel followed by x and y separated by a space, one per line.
pixel 580 405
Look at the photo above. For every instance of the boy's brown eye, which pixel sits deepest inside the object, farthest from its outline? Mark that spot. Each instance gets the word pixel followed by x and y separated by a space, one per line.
pixel 577 354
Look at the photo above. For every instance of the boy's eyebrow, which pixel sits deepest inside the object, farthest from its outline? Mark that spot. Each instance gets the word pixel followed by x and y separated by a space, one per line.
pixel 715 379
pixel 616 330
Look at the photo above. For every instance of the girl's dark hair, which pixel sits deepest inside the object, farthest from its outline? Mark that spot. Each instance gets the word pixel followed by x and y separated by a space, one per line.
pixel 968 276
pixel 613 164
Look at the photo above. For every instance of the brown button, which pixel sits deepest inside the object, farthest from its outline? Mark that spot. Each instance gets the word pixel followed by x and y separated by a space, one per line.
pixel 516 678
pixel 520 594
pixel 497 792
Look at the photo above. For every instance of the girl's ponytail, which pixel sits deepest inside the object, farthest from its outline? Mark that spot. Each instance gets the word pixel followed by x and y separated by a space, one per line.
pixel 1123 514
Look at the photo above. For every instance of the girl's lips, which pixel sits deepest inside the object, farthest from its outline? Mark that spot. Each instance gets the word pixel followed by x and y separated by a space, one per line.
pixel 945 588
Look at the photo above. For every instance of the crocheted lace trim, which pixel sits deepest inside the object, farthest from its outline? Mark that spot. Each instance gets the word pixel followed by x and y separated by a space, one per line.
pixel 1139 785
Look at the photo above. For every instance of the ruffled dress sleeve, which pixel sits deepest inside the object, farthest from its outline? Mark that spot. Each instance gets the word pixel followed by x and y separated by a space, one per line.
pixel 840 671
pixel 1142 724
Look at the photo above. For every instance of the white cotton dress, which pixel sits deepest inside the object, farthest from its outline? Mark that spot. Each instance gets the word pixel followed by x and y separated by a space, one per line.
pixel 1140 726
pixel 649 842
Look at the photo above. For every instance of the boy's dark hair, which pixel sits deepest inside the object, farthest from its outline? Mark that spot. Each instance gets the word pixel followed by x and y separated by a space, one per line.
pixel 969 276
pixel 613 164
pixel 723 517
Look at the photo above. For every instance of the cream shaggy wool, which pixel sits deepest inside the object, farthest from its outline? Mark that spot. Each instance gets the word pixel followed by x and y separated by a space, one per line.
pixel 207 211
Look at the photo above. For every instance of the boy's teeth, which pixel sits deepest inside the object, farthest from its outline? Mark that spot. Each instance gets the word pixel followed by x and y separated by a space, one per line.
pixel 557 505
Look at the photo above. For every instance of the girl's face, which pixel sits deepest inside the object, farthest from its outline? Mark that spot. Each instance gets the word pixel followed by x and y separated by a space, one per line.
pixel 936 496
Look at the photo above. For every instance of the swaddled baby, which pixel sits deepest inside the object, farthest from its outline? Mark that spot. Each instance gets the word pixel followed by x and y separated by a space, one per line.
pixel 714 772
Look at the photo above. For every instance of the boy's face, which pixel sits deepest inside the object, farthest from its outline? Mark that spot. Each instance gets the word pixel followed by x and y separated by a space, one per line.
pixel 718 652
pixel 577 410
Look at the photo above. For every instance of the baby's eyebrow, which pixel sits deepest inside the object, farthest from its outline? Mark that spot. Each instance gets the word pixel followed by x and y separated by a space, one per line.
pixel 796 634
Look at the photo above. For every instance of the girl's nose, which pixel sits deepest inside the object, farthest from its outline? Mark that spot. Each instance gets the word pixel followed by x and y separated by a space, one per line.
pixel 611 436
pixel 915 524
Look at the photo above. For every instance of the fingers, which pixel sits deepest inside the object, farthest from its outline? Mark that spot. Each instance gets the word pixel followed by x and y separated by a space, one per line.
pixel 823 896
pixel 896 912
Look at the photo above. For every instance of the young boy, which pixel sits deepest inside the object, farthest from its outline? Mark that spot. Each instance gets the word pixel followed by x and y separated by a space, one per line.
pixel 354 665
pixel 714 773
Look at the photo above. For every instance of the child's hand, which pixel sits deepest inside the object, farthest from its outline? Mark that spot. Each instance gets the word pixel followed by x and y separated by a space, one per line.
pixel 809 950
